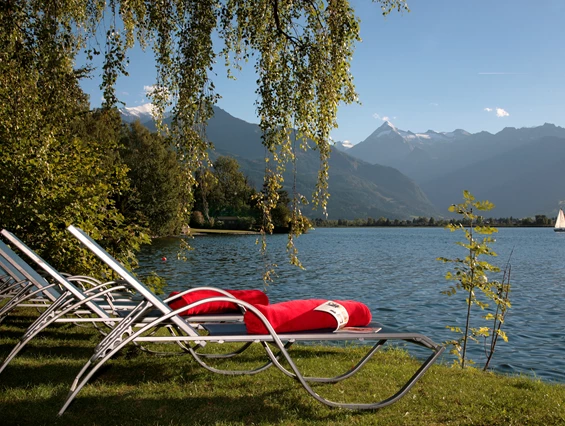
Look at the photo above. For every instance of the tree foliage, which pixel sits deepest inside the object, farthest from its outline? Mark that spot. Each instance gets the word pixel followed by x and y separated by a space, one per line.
pixel 53 178
pixel 59 160
pixel 223 190
pixel 301 51
pixel 158 194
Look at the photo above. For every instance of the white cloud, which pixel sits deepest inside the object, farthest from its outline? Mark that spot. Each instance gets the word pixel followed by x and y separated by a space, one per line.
pixel 383 118
pixel 434 104
pixel 150 92
pixel 148 89
pixel 500 112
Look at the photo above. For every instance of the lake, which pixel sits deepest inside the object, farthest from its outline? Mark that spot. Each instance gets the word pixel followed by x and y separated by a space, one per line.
pixel 395 272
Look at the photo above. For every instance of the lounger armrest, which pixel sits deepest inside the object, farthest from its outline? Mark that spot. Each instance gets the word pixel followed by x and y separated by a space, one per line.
pixel 192 290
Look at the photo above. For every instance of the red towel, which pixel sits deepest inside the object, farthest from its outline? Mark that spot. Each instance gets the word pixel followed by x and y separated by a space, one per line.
pixel 255 297
pixel 299 315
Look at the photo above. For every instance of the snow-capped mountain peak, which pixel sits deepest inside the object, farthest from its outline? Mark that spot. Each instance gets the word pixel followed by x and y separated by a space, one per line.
pixel 343 145
pixel 387 128
pixel 433 136
pixel 388 143
pixel 141 113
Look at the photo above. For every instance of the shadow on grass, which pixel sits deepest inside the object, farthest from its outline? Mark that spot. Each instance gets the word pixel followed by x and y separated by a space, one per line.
pixel 266 407
pixel 60 372
pixel 52 333
pixel 37 349
pixel 173 391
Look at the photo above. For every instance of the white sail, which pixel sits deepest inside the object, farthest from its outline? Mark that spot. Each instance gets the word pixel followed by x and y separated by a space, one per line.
pixel 560 222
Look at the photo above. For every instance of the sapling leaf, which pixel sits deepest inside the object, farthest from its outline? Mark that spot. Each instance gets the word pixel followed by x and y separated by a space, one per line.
pixel 470 275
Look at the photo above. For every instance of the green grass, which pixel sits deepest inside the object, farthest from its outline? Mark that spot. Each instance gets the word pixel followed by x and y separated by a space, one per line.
pixel 144 389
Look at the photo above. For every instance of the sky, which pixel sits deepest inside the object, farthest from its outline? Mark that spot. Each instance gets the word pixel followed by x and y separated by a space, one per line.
pixel 447 64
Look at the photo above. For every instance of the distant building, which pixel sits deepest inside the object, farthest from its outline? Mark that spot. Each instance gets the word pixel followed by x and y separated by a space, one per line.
pixel 228 220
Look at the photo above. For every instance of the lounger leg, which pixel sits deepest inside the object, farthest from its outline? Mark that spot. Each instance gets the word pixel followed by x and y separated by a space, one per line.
pixel 371 406
pixel 61 307
pixel 18 298
pixel 340 377
pixel 119 337
pixel 78 385
pixel 9 289
pixel 42 322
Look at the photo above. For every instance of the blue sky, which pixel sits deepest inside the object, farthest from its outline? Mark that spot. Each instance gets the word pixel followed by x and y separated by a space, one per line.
pixel 448 64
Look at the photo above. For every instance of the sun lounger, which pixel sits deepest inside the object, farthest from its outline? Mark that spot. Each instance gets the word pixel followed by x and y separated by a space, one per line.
pixel 76 305
pixel 123 334
pixel 116 300
pixel 37 292
pixel 67 304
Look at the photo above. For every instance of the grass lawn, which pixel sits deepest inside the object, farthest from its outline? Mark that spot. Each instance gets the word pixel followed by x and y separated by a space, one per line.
pixel 137 388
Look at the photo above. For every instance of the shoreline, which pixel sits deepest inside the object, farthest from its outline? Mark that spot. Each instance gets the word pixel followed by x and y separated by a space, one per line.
pixel 202 232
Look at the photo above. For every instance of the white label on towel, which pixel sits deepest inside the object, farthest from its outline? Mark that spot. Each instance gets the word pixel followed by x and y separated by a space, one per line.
pixel 337 311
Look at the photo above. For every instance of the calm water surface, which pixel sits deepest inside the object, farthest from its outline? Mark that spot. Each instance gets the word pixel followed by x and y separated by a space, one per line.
pixel 394 271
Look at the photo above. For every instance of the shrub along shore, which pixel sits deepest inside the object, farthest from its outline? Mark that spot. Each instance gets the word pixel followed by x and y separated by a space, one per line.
pixel 141 388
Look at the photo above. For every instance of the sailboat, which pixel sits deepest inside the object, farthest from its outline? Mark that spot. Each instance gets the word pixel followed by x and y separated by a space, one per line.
pixel 560 222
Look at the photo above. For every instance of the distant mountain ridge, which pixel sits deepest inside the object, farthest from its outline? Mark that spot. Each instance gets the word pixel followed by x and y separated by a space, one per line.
pixel 357 189
pixel 521 182
pixel 388 144
pixel 516 169
pixel 491 166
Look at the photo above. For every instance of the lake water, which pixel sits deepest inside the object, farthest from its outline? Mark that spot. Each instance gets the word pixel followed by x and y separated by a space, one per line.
pixel 394 271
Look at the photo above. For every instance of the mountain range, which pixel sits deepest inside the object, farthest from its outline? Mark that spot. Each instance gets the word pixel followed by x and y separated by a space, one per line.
pixel 388 144
pixel 401 174
pixel 357 188
pixel 517 169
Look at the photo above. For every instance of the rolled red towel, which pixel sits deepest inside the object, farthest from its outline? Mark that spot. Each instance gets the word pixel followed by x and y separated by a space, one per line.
pixel 301 315
pixel 255 297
